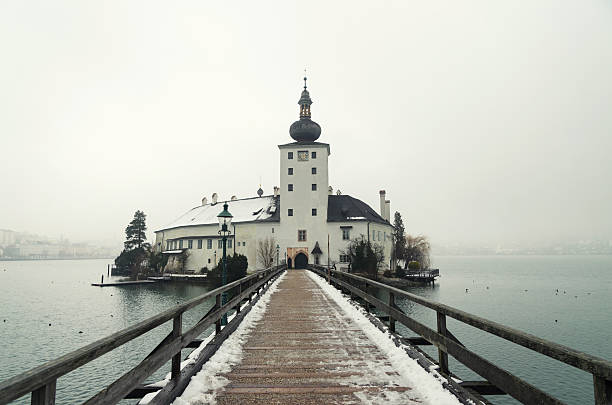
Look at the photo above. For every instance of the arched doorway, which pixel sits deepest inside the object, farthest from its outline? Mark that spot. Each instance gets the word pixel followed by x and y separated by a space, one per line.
pixel 301 260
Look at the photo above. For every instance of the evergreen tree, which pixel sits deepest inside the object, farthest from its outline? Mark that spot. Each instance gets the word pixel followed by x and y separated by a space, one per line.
pixel 399 238
pixel 135 236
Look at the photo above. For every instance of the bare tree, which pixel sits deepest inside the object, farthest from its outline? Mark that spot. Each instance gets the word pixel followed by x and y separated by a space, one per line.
pixel 417 249
pixel 266 249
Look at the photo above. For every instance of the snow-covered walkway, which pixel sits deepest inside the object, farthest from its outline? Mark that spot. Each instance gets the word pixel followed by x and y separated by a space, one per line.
pixel 306 344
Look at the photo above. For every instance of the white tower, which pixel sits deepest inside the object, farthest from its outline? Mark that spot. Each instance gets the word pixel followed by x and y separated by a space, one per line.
pixel 304 186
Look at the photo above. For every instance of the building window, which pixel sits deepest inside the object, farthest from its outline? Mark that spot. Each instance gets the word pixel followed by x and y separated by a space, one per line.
pixel 314 212
pixel 180 244
pixel 190 244
pixel 290 212
pixel 272 230
pixel 314 170
pixel 302 235
pixel 344 259
pixel 290 171
pixel 229 243
pixel 313 155
pixel 373 235
pixel 314 187
pixel 167 245
pixel 290 187
pixel 209 260
pixel 346 234
pixel 199 243
pixel 290 155
pixel 379 236
pixel 243 243
pixel 209 244
pixel 220 244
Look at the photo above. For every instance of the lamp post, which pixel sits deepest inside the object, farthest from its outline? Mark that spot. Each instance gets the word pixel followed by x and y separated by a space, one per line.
pixel 225 219
pixel 277 252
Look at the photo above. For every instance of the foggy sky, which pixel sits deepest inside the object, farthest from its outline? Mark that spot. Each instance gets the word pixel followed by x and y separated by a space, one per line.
pixel 486 121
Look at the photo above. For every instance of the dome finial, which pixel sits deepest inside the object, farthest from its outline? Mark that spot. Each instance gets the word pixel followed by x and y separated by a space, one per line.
pixel 305 130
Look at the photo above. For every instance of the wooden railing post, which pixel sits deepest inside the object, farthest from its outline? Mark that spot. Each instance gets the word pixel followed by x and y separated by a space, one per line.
pixel 367 303
pixel 218 321
pixel 442 355
pixel 177 327
pixel 392 305
pixel 239 302
pixel 603 390
pixel 45 395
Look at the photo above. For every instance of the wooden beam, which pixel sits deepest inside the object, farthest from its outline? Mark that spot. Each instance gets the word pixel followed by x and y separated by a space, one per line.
pixel 481 387
pixel 45 395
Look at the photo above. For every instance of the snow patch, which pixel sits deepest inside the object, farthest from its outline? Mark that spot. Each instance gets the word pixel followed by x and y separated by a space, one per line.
pixel 427 386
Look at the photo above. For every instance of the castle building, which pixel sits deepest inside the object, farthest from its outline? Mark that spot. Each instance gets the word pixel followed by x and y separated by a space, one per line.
pixel 304 218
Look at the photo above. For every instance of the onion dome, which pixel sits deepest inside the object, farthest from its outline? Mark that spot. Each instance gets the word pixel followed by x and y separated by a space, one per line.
pixel 305 130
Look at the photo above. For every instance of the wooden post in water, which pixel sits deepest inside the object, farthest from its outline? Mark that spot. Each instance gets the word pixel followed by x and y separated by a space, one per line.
pixel 108 270
pixel 102 281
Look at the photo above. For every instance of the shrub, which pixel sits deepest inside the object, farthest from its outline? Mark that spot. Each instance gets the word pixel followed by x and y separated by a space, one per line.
pixel 387 274
pixel 414 265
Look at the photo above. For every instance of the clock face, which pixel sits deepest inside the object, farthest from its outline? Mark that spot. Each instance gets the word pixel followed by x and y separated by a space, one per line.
pixel 303 155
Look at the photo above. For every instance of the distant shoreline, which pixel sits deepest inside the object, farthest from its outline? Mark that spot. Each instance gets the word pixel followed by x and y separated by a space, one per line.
pixel 5 259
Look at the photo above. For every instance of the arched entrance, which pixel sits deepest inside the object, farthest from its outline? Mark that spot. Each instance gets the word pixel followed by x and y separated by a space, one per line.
pixel 301 260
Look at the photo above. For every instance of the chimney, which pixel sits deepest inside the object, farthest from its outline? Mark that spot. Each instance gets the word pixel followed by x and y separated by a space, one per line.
pixel 330 190
pixel 204 201
pixel 383 209
pixel 276 191
pixel 388 210
pixel 233 198
pixel 214 198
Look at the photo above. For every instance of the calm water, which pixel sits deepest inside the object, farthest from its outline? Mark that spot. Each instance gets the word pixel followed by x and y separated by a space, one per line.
pixel 34 294
pixel 520 293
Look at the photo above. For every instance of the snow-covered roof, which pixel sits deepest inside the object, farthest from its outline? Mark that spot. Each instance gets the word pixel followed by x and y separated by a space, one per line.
pixel 246 210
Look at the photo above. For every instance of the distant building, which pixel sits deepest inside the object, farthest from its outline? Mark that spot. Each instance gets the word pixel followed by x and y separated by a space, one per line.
pixel 300 215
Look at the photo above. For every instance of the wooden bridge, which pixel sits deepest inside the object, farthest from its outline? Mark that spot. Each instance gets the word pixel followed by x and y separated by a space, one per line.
pixel 306 348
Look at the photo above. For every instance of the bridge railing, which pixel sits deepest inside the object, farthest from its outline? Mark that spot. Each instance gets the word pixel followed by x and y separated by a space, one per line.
pixel 447 343
pixel 41 381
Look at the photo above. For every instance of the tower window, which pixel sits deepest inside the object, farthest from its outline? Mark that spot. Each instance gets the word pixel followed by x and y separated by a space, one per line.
pixel 290 155
pixel 314 170
pixel 290 212
pixel 302 235
pixel 290 187
pixel 314 212
pixel 313 155
pixel 290 171
pixel 314 187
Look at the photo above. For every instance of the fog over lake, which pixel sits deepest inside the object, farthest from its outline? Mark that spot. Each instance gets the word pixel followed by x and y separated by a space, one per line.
pixel 485 122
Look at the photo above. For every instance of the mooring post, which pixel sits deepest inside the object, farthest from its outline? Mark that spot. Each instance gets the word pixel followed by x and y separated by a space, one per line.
pixel 392 305
pixel 44 395
pixel 102 281
pixel 218 321
pixel 176 359
pixel 603 390
pixel 108 270
pixel 442 355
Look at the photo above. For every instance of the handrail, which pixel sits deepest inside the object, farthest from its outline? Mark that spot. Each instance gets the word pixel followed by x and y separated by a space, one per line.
pixel 600 368
pixel 49 372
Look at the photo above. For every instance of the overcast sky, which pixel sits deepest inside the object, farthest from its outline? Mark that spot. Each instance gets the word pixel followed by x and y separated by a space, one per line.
pixel 486 121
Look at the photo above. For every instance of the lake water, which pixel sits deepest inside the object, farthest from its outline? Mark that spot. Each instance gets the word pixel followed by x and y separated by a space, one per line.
pixel 513 290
